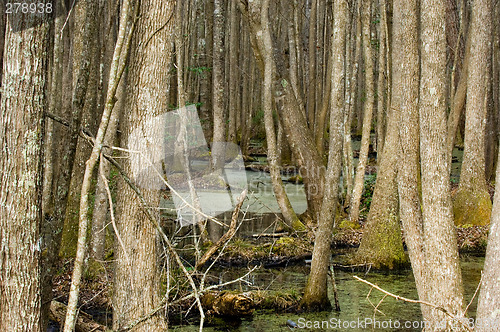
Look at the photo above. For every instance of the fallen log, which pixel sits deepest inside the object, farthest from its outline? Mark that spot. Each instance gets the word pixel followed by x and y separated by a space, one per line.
pixel 84 322
pixel 228 304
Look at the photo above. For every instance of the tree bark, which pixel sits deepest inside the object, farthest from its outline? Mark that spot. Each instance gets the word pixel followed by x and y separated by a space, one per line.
pixel 299 136
pixel 368 105
pixel 405 50
pixel 471 203
pixel 489 296
pixel 219 118
pixel 316 291
pixel 23 104
pixel 136 279
pixel 443 278
pixel 382 244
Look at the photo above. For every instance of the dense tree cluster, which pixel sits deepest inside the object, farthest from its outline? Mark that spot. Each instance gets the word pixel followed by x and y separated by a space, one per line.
pixel 303 81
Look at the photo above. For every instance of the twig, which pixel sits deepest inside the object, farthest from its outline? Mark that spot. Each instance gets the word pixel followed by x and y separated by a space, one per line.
pixel 187 297
pixel 228 235
pixel 397 297
pixel 475 293
pixel 112 214
pixel 334 286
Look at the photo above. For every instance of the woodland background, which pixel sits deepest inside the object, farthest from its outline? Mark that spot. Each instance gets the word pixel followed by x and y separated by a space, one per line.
pixel 296 80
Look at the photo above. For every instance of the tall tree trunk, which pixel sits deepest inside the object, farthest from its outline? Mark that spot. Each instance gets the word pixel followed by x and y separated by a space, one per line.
pixel 369 103
pixel 489 297
pixel 52 228
pixel 382 91
pixel 298 135
pixel 471 203
pixel 23 104
pixel 316 291
pixel 219 118
pixel 443 278
pixel 405 50
pixel 68 181
pixel 234 69
pixel 311 71
pixel 101 203
pixel 136 285
pixel 265 42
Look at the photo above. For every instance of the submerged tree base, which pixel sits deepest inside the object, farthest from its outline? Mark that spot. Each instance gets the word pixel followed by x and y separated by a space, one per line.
pixel 313 304
pixel 382 245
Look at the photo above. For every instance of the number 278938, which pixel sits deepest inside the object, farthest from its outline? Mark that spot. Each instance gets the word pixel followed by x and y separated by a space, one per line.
pixel 28 8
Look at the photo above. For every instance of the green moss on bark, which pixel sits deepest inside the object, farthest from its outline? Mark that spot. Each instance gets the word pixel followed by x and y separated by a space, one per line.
pixel 472 207
pixel 382 244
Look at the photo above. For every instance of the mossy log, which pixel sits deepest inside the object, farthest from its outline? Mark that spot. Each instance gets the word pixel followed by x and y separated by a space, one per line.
pixel 84 322
pixel 228 304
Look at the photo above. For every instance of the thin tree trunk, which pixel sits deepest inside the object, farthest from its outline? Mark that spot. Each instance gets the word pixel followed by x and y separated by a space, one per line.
pixel 52 228
pixel 234 69
pixel 316 291
pixel 219 119
pixel 298 135
pixel 265 41
pixel 382 91
pixel 115 74
pixel 471 203
pixel 311 71
pixel 369 103
pixel 100 213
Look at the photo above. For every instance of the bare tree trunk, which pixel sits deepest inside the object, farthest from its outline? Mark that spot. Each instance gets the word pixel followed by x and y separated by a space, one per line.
pixel 489 297
pixel 219 118
pixel 311 71
pixel 369 103
pixel 405 50
pixel 101 206
pixel 265 41
pixel 382 86
pixel 52 227
pixel 443 278
pixel 116 71
pixel 136 285
pixel 316 291
pixel 234 70
pixel 471 203
pixel 299 136
pixel 23 104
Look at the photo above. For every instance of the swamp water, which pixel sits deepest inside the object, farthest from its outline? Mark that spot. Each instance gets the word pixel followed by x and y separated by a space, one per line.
pixel 352 296
pixel 261 208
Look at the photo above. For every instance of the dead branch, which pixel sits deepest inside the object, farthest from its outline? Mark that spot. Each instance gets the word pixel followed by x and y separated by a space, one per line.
pixel 187 297
pixel 397 297
pixel 227 236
